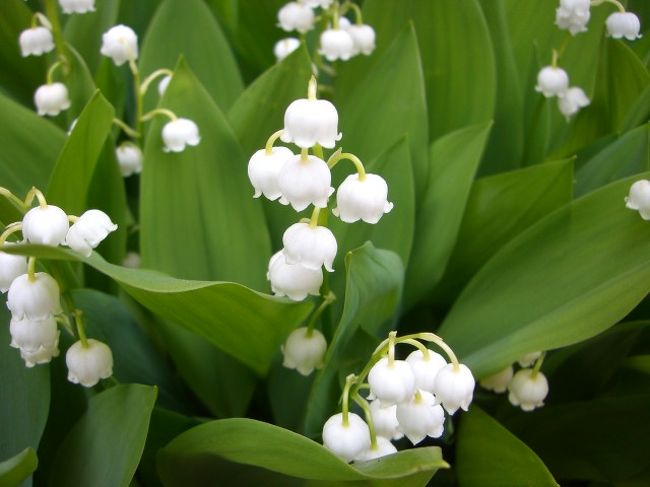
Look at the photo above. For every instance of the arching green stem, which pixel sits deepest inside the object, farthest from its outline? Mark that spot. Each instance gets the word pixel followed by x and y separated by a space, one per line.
pixel 419 346
pixel 363 404
pixel 538 365
pixel 339 156
pixel 619 5
pixel 327 300
pixel 268 148
pixel 50 72
pixel 13 199
pixel 127 130
pixel 52 12
pixel 159 111
pixel 81 330
pixel 31 269
pixel 35 193
pixel 9 229
pixel 152 77
pixel 345 399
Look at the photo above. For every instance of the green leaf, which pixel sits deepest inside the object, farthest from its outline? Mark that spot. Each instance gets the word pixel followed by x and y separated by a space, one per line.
pixel 489 455
pixel 263 445
pixel 16 469
pixel 105 445
pixel 75 166
pixel 80 83
pixel 550 286
pixel 454 161
pixel 206 49
pixel 498 208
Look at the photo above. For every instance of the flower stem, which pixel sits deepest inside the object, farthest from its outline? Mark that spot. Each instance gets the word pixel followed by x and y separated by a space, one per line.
pixel 327 300
pixel 13 199
pixel 318 151
pixel 345 399
pixel 419 346
pixel 31 269
pixel 139 119
pixel 538 365
pixel 312 88
pixel 9 229
pixel 151 78
pixel 52 12
pixel 159 111
pixel 391 347
pixel 433 338
pixel 357 13
pixel 619 5
pixel 268 148
pixel 363 404
pixel 304 155
pixel 126 129
pixel 35 193
pixel 313 221
pixel 50 72
pixel 79 321
pixel 339 156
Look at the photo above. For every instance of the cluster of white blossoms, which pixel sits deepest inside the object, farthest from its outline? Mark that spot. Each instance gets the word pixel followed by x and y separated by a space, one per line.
pixel 34 298
pixel 304 179
pixel 341 40
pixel 554 82
pixel 527 388
pixel 407 398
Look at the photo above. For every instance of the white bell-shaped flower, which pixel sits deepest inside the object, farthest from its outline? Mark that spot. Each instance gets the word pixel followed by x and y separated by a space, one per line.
pixel 92 227
pixel 381 448
pixel 385 420
pixel 363 37
pixel 312 247
pixel 294 281
pixel 51 99
pixel 425 368
pixel 530 358
pixel 35 41
pixel 498 382
pixel 120 43
pixel 132 260
pixel 552 81
pixel 263 171
pixel 296 16
pixel 129 158
pixel 305 182
pixel 347 441
pixel 573 100
pixel 454 387
pixel 77 6
pixel 421 417
pixel 310 122
pixel 284 47
pixel 164 83
pixel 336 44
pixel 46 225
pixel 528 389
pixel 573 15
pixel 31 335
pixel 391 382
pixel 11 266
pixel 179 133
pixel 623 24
pixel 88 364
pixel 40 356
pixel 344 23
pixel 639 198
pixel 318 3
pixel 37 300
pixel 304 350
pixel 362 199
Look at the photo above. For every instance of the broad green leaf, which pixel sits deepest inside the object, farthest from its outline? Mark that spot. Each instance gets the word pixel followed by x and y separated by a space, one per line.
pixel 550 286
pixel 105 445
pixel 17 468
pixel 489 455
pixel 75 166
pixel 454 161
pixel 80 83
pixel 498 208
pixel 203 45
pixel 258 444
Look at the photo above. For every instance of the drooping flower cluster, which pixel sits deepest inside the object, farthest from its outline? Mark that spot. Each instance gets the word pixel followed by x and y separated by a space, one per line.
pixel 554 82
pixel 407 398
pixel 34 298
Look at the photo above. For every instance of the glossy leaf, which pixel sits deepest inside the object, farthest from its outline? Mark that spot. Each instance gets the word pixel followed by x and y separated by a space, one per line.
pixel 550 286
pixel 105 445
pixel 17 468
pixel 489 455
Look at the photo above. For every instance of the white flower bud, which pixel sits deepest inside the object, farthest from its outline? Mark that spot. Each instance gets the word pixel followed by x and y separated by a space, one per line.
pixel 31 335
pixel 263 171
pixel 454 387
pixel 296 16
pixel 498 382
pixel 42 355
pixel 179 133
pixel 529 359
pixel 366 199
pixel 92 227
pixel 164 83
pixel 639 198
pixel 37 300
pixel 336 44
pixel 425 369
pixel 120 43
pixel 363 37
pixel 573 100
pixel 391 383
pixel 47 225
pixel 129 158
pixel 305 182
pixel 552 81
pixel 573 15
pixel 312 247
pixel 385 420
pixel 421 417
pixel 284 47
pixel 311 122
pixel 35 41
pixel 528 390
pixel 131 260
pixel 382 448
pixel 623 24
pixel 304 350
pixel 294 281
pixel 11 266
pixel 77 6
pixel 87 365
pixel 347 441
pixel 51 99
